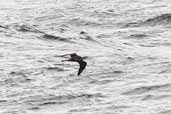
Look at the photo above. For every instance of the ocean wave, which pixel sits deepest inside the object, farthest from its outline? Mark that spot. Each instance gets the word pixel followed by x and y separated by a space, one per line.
pixel 144 89
pixel 163 19
pixel 165 112
pixel 61 99
pixel 155 97
pixel 53 37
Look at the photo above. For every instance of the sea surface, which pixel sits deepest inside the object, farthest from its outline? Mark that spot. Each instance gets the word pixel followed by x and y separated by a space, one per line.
pixel 126 44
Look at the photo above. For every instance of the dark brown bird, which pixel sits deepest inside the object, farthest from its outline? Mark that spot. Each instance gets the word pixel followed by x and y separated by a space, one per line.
pixel 78 59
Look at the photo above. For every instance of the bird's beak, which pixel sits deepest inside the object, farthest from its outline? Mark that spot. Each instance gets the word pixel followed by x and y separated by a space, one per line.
pixel 65 60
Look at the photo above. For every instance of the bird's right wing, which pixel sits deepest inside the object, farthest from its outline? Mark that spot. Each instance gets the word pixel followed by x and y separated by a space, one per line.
pixel 82 67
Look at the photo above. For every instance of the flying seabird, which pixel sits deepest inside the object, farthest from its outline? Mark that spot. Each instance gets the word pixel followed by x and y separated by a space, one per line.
pixel 78 59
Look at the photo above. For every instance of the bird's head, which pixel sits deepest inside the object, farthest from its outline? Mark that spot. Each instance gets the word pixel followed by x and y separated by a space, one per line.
pixel 73 55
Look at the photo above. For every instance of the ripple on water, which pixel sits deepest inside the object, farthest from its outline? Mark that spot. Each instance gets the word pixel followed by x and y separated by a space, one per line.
pixel 55 68
pixel 145 89
pixel 61 99
pixel 165 112
pixel 53 37
pixel 163 19
pixel 155 97
pixel 138 36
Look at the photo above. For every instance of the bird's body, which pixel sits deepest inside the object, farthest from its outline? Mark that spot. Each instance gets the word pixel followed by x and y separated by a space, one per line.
pixel 78 59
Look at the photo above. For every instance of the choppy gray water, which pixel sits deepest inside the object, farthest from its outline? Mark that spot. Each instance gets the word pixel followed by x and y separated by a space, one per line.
pixel 127 45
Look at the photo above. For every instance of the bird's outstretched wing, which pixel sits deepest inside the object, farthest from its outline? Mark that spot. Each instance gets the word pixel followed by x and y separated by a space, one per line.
pixel 82 67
